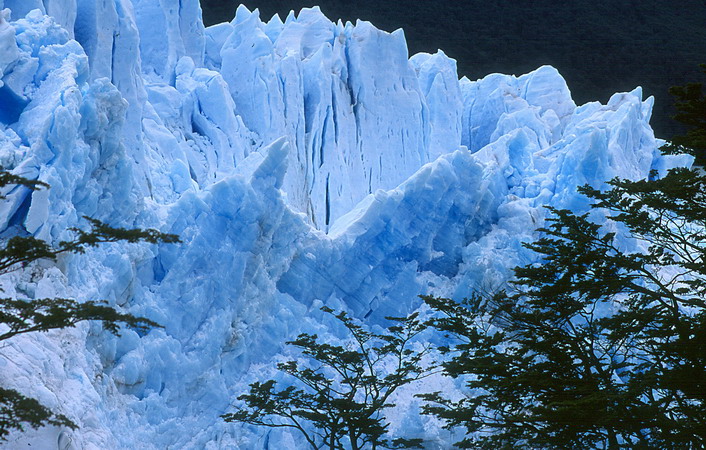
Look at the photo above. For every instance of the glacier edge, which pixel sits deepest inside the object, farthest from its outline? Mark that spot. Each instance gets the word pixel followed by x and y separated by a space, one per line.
pixel 302 162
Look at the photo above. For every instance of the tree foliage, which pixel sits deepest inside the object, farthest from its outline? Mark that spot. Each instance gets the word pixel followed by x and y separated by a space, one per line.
pixel 691 111
pixel 602 345
pixel 19 316
pixel 340 392
pixel 16 410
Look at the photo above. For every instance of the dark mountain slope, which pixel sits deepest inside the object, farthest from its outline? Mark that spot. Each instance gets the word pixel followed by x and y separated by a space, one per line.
pixel 600 46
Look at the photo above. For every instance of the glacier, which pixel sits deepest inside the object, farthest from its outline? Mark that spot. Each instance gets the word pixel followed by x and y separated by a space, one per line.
pixel 303 162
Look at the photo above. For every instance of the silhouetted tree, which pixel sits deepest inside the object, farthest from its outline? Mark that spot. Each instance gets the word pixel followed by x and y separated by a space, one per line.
pixel 339 393
pixel 603 344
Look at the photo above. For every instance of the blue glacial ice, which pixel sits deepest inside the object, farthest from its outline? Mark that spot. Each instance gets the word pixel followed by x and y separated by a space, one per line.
pixel 303 162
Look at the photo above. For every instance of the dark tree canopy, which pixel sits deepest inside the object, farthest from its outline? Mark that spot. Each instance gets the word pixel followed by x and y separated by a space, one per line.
pixel 691 112
pixel 600 345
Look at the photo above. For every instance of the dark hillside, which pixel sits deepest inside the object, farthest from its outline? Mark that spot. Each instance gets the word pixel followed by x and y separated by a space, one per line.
pixel 600 46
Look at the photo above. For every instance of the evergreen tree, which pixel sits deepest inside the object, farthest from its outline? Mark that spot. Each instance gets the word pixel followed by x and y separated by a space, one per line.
pixel 339 394
pixel 19 316
pixel 601 345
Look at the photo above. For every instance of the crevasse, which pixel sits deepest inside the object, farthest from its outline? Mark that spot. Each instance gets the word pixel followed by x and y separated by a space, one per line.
pixel 302 162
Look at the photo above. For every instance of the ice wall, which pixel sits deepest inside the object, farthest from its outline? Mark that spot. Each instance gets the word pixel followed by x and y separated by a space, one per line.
pixel 302 162
pixel 345 96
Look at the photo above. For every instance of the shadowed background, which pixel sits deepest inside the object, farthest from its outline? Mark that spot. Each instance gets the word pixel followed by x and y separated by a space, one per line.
pixel 599 46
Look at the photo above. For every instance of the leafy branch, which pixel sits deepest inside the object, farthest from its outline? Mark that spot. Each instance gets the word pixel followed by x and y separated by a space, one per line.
pixel 340 392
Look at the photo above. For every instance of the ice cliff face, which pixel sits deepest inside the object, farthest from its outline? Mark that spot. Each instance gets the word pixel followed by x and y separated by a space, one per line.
pixel 302 163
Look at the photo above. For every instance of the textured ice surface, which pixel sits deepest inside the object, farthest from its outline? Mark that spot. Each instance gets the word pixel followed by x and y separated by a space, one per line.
pixel 302 162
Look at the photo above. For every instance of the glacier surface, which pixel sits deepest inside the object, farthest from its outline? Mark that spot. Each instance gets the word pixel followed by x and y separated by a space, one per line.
pixel 302 162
